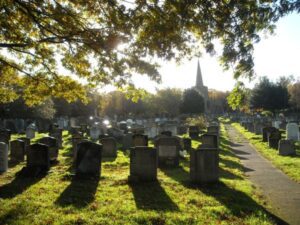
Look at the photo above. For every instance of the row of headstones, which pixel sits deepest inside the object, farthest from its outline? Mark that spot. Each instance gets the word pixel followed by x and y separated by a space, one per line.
pixel 272 135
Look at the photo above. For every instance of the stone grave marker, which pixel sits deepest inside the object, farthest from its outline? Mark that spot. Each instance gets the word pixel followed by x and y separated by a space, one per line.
pixel 286 147
pixel 209 141
pixel 57 133
pixel 38 157
pixel 26 142
pixel 5 135
pixel 30 132
pixel 273 138
pixel 168 151
pixel 292 130
pixel 181 130
pixel 17 150
pixel 194 131
pixel 187 144
pixel 88 159
pixel 94 133
pixel 258 128
pixel 127 141
pixel 139 140
pixel 265 131
pixel 166 133
pixel 3 157
pixel 143 164
pixel 204 165
pixel 52 143
pixel 109 147
pixel 76 139
pixel 213 130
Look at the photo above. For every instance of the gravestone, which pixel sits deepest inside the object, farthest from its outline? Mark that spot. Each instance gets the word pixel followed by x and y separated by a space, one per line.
pixel 5 135
pixel 38 157
pixel 250 127
pixel 286 147
pixel 109 147
pixel 94 133
pixel 258 128
pixel 30 132
pixel 166 133
pixel 26 142
pixel 265 131
pixel 76 139
pixel 292 130
pixel 187 144
pixel 143 164
pixel 181 130
pixel 57 133
pixel 52 143
pixel 3 157
pixel 204 165
pixel 88 159
pixel 17 150
pixel 151 131
pixel 276 124
pixel 139 140
pixel 273 138
pixel 127 141
pixel 194 131
pixel 168 151
pixel 20 125
pixel 209 141
pixel 213 130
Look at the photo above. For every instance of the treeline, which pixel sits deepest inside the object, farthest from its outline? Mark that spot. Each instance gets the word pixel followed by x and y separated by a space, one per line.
pixel 169 102
pixel 267 95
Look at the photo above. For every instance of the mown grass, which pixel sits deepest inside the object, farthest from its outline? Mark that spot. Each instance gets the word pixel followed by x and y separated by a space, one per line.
pixel 58 198
pixel 290 165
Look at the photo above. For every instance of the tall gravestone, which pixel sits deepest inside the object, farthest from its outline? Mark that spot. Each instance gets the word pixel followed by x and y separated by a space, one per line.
pixel 88 160
pixel 109 147
pixel 30 132
pixel 17 150
pixel 273 138
pixel 204 165
pixel 265 131
pixel 38 157
pixel 26 143
pixel 187 144
pixel 209 141
pixel 168 151
pixel 57 133
pixel 76 139
pixel 5 135
pixel 143 164
pixel 139 140
pixel 3 157
pixel 292 130
pixel 127 141
pixel 52 143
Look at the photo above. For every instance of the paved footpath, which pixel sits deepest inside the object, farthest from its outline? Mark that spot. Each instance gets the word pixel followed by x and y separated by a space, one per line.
pixel 282 193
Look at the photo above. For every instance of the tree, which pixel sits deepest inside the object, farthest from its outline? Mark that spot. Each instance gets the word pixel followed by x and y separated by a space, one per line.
pixel 218 101
pixel 192 102
pixel 294 91
pixel 239 97
pixel 270 96
pixel 86 37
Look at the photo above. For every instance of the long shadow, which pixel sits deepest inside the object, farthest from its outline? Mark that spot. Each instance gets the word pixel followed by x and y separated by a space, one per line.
pixel 13 163
pixel 18 185
pixel 178 174
pixel 239 152
pixel 80 192
pixel 239 203
pixel 151 196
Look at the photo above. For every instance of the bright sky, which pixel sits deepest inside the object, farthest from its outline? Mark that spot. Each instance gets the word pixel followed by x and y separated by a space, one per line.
pixel 275 56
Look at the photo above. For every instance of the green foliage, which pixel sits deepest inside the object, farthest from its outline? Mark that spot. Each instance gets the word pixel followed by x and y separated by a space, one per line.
pixel 270 96
pixel 238 97
pixel 86 38
pixel 294 92
pixel 192 102
pixel 199 121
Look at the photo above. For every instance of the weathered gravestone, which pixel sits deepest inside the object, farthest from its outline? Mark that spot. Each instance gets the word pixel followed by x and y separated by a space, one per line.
pixel 292 130
pixel 181 130
pixel 52 143
pixel 187 144
pixel 5 135
pixel 26 142
pixel 94 133
pixel 143 164
pixel 168 151
pixel 250 127
pixel 194 131
pixel 109 147
pixel 38 158
pixel 286 147
pixel 273 138
pixel 151 131
pixel 204 165
pixel 258 128
pixel 166 133
pixel 57 133
pixel 139 140
pixel 265 131
pixel 3 157
pixel 88 160
pixel 17 150
pixel 30 132
pixel 276 124
pixel 209 141
pixel 127 141
pixel 213 130
pixel 76 139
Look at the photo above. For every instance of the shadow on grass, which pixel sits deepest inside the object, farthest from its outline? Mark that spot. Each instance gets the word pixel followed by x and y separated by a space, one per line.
pixel 18 185
pixel 80 192
pixel 239 203
pixel 151 196
pixel 108 159
pixel 13 163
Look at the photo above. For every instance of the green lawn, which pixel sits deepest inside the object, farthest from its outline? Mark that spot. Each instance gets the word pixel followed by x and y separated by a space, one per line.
pixel 290 165
pixel 58 198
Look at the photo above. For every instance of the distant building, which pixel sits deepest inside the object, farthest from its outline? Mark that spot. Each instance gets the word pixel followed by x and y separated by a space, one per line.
pixel 203 90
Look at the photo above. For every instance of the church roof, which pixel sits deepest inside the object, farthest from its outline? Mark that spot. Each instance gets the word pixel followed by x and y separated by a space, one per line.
pixel 199 81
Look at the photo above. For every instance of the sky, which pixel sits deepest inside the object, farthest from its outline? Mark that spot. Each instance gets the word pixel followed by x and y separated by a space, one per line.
pixel 274 56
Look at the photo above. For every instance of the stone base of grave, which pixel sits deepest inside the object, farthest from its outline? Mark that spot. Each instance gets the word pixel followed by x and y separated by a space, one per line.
pixel 286 148
pixel 143 164
pixel 204 165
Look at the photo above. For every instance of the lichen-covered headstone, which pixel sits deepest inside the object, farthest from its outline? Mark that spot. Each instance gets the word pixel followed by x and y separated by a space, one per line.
pixel 292 130
pixel 168 151
pixel 109 147
pixel 17 150
pixel 139 140
pixel 286 147
pixel 52 143
pixel 38 157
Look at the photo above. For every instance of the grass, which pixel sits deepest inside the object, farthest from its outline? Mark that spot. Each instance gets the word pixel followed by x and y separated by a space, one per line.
pixel 290 165
pixel 58 198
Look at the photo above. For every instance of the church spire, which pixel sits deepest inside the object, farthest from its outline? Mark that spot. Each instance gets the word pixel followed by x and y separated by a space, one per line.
pixel 199 82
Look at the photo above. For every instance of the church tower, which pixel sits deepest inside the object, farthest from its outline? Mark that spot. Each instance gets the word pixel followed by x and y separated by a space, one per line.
pixel 203 90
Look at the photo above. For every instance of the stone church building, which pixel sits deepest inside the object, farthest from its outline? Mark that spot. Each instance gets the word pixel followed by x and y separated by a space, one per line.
pixel 203 90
